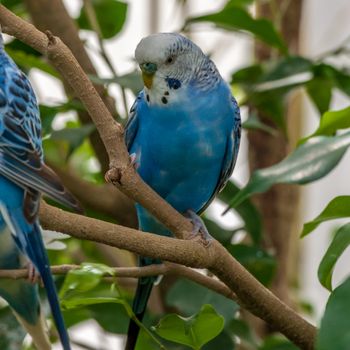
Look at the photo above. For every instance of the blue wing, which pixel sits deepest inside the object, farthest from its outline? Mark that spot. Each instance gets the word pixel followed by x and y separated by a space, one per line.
pixel 229 160
pixel 132 125
pixel 21 156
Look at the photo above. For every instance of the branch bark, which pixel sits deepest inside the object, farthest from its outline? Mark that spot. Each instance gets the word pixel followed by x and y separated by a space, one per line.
pixel 105 198
pixel 136 272
pixel 254 296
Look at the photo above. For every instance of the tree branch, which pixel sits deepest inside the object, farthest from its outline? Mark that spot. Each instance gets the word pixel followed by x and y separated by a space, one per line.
pixel 105 198
pixel 254 296
pixel 137 272
pixel 52 15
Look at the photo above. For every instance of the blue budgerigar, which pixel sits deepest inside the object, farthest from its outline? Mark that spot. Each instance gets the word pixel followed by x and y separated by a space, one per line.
pixel 183 136
pixel 23 177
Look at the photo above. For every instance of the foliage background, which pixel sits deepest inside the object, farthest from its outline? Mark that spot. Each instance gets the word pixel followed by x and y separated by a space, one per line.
pixel 324 28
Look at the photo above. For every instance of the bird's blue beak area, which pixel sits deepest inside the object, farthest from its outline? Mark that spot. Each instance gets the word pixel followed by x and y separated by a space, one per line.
pixel 148 69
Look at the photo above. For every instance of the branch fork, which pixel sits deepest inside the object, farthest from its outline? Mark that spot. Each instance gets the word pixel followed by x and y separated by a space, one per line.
pixel 250 293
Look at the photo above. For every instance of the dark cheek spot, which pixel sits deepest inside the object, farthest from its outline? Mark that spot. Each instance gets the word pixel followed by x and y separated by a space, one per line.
pixel 164 100
pixel 147 97
pixel 173 83
pixel 166 93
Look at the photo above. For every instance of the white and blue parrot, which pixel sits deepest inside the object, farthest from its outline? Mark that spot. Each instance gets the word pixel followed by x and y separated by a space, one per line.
pixel 23 178
pixel 183 136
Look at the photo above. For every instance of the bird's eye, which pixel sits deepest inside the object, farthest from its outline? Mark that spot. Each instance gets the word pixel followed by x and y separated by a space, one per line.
pixel 169 60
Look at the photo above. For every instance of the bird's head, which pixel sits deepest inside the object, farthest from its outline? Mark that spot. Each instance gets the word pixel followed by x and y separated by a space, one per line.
pixel 166 55
pixel 169 61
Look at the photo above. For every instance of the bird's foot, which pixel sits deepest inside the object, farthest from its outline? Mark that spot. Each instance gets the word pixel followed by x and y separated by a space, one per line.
pixel 199 228
pixel 33 274
pixel 133 161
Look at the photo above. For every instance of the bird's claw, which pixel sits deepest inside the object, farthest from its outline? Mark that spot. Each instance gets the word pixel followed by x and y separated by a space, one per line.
pixel 33 274
pixel 199 228
pixel 133 161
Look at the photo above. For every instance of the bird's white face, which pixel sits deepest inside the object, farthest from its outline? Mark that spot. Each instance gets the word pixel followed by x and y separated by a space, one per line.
pixel 167 62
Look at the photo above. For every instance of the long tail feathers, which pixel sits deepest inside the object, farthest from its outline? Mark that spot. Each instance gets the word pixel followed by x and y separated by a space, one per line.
pixel 37 254
pixel 143 292
pixel 29 239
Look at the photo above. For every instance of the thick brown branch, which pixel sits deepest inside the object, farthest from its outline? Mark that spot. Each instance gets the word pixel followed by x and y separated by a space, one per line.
pixel 250 293
pixel 122 173
pixel 255 297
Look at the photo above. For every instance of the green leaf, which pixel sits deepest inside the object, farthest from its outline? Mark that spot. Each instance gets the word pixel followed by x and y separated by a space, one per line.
pixel 247 75
pixel 28 61
pixel 111 317
pixel 242 330
pixel 254 123
pixel 130 81
pixel 110 15
pixel 223 341
pixel 334 332
pixel 260 264
pixel 277 343
pixel 74 136
pixel 286 67
pixel 194 331
pixel 339 243
pixel 83 279
pixel 188 297
pixel 235 18
pixel 320 97
pixel 309 162
pixel 247 211
pixel 239 3
pixel 332 121
pixel 337 208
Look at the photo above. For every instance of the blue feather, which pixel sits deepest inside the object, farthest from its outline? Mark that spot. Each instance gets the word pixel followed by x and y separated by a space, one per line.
pixel 23 177
pixel 184 129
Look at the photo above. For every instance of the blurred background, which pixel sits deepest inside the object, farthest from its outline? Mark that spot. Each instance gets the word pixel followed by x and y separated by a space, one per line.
pixel 282 97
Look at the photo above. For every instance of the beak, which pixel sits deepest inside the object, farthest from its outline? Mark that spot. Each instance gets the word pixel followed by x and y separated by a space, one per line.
pixel 148 70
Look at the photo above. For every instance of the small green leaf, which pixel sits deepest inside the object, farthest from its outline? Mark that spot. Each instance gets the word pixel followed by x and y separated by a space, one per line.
pixel 188 297
pixel 340 242
pixel 247 75
pixel 320 97
pixel 130 81
pixel 247 211
pixel 309 162
pixel 239 3
pixel 110 14
pixel 29 61
pixel 194 331
pixel 260 264
pixel 254 123
pixel 74 136
pixel 242 330
pixel 337 208
pixel 83 279
pixel 334 332
pixel 277 343
pixel 331 122
pixel 236 18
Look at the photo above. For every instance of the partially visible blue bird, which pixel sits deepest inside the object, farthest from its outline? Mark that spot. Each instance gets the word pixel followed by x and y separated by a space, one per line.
pixel 23 177
pixel 21 294
pixel 183 136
